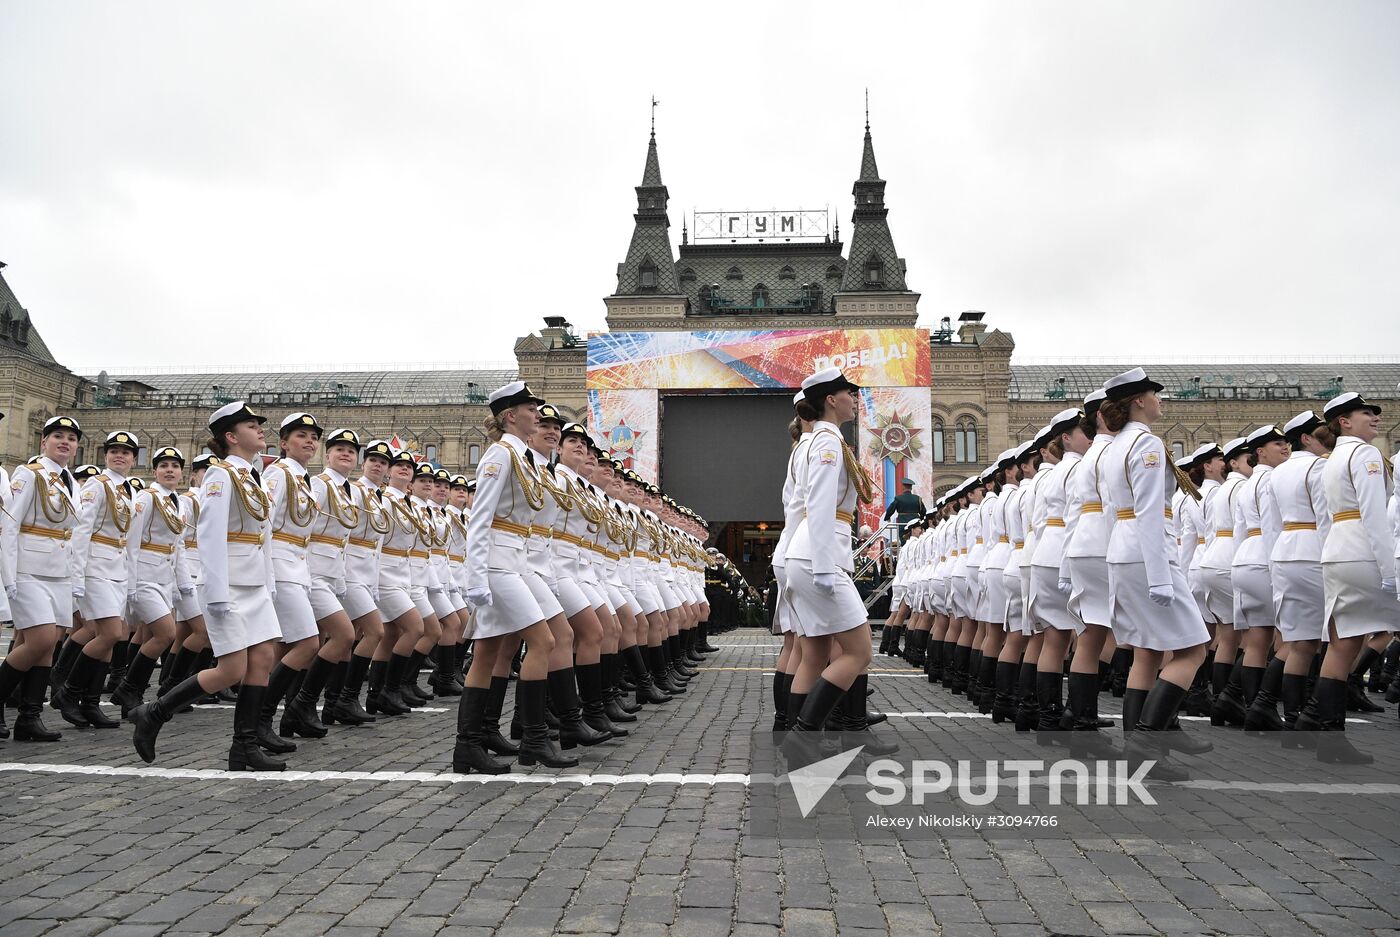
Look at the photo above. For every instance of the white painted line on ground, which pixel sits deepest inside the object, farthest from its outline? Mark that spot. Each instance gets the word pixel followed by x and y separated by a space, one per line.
pixel 417 777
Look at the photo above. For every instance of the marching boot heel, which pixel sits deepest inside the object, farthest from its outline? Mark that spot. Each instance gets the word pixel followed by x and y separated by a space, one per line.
pixel 149 717
pixel 90 705
pixel 590 689
pixel 279 682
pixel 573 730
pixel 29 724
pixel 1332 744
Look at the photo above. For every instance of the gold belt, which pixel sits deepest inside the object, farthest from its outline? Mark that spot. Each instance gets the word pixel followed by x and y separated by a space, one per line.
pixel 363 544
pixel 292 539
pixel 1054 522
pixel 439 552
pixel 510 527
pixel 107 541
pixel 1253 532
pixel 1340 516
pixel 1091 507
pixel 164 548
pixel 1299 525
pixel 1127 514
pixel 847 518
pixel 1003 540
pixel 1200 541
pixel 34 530
pixel 1224 533
pixel 192 544
pixel 418 554
pixel 542 532
pixel 244 538
pixel 328 540
pixel 1168 512
pixel 1019 545
pixel 572 538
pixel 455 558
pixel 390 551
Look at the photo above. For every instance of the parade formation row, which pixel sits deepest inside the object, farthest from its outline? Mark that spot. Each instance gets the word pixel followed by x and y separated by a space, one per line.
pixel 270 585
pixel 1240 576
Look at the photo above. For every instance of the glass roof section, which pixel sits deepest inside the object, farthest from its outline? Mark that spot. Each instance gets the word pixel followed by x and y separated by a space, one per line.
pixel 291 388
pixel 1215 380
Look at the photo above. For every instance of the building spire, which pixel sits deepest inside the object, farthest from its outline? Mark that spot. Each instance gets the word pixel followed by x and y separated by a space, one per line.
pixel 867 111
pixel 650 266
pixel 655 102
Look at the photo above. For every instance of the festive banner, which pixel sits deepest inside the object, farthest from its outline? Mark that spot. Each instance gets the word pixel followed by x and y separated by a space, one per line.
pixel 624 424
pixel 894 439
pixel 765 359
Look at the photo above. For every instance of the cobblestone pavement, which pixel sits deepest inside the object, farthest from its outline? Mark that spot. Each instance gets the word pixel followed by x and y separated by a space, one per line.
pixel 378 838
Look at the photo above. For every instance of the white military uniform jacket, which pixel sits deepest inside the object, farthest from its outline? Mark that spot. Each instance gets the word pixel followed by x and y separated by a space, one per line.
pixel 293 518
pixel 1359 486
pixel 104 518
pixel 155 548
pixel 1050 518
pixel 794 498
pixel 1256 524
pixel 823 536
pixel 234 545
pixel 1089 506
pixel 501 514
pixel 1219 507
pixel 362 543
pixel 36 538
pixel 335 499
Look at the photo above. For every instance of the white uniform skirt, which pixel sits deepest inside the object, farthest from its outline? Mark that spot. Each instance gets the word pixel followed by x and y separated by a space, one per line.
pixel 41 600
pixel 572 597
pixel 251 619
pixel 1139 622
pixel 782 614
pixel 419 595
pixel 294 614
pixel 1220 595
pixel 1089 599
pixel 1048 607
pixel 991 605
pixel 646 594
pixel 394 602
pixel 1299 600
pixel 513 607
pixel 816 613
pixel 102 598
pixel 324 602
pixel 1254 597
pixel 669 599
pixel 620 595
pixel 596 592
pixel 1355 601
pixel 357 601
pixel 897 593
pixel 544 596
pixel 187 607
pixel 957 596
pixel 152 601
pixel 1013 608
pixel 1198 591
pixel 442 604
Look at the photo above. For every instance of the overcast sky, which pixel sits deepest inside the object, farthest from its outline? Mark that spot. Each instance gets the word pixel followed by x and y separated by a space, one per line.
pixel 359 182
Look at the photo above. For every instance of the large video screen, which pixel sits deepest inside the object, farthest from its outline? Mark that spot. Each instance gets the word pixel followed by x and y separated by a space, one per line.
pixel 725 454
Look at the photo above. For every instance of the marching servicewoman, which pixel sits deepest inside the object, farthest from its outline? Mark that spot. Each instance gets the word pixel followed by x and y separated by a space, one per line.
pixel 1019 629
pixel 293 517
pixel 423 576
pixel 507 496
pixel 826 607
pixel 540 577
pixel 991 606
pixel 1295 569
pixel 1256 531
pixel 459 495
pixel 402 593
pixel 236 592
pixel 445 599
pixel 370 656
pixel 794 503
pixel 155 552
pixel 1206 469
pixel 337 515
pixel 100 577
pixel 36 565
pixel 1216 567
pixel 1151 607
pixel 1358 566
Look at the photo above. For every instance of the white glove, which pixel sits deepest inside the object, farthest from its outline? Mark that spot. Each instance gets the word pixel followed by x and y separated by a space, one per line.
pixel 1065 585
pixel 1161 595
pixel 79 591
pixel 1388 585
pixel 374 593
pixel 11 591
pixel 825 582
pixel 478 597
pixel 219 609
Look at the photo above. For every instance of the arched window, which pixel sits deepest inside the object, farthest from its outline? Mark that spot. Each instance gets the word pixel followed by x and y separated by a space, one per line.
pixel 473 454
pixel 1178 450
pixel 787 273
pixel 937 441
pixel 760 296
pixel 833 272
pixel 874 271
pixel 687 275
pixel 733 274
pixel 965 440
pixel 646 276
pixel 431 453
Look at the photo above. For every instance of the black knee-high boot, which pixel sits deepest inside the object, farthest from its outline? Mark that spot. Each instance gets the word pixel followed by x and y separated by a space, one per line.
pixel 800 744
pixel 278 683
pixel 130 691
pixel 1294 695
pixel 1148 740
pixel 1085 739
pixel 1121 663
pixel 67 657
pixel 149 717
pixel 1229 706
pixel 782 683
pixel 299 716
pixel 1262 715
pixel 246 752
pixel 647 690
pixel 986 680
pixel 179 668
pixel 1004 700
pixel 469 753
pixel 1357 700
pixel 615 704
pixel 564 696
pixel 535 744
pixel 1027 706
pixel 1332 744
pixel 31 685
pixel 1049 694
pixel 591 697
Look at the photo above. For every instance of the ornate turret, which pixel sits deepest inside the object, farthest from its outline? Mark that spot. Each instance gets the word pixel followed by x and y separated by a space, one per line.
pixel 872 264
pixel 649 267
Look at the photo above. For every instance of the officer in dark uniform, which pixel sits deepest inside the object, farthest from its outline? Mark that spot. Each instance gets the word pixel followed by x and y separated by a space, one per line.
pixel 906 505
